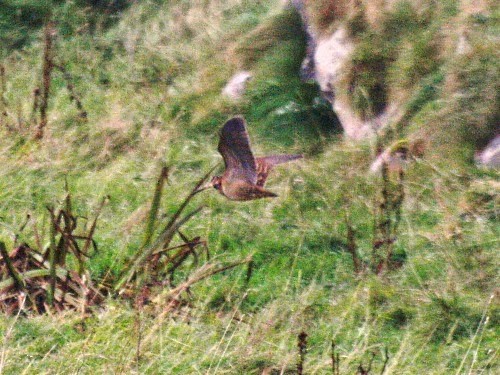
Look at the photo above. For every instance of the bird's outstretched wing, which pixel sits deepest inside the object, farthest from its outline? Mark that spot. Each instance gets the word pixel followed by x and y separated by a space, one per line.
pixel 234 146
pixel 265 164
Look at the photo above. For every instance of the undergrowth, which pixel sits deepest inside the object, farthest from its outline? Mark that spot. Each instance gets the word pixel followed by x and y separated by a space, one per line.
pixel 150 83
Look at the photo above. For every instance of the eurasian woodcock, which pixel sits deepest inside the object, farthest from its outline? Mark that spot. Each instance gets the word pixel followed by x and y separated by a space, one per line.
pixel 244 176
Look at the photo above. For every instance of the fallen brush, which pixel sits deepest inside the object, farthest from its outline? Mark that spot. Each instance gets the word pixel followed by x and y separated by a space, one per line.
pixel 36 279
pixel 26 283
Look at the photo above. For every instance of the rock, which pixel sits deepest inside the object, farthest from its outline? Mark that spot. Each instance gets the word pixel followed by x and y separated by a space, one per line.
pixel 490 156
pixel 331 64
pixel 236 86
pixel 327 62
pixel 330 59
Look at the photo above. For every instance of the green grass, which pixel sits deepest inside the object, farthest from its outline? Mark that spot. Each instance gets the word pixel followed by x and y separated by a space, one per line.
pixel 151 84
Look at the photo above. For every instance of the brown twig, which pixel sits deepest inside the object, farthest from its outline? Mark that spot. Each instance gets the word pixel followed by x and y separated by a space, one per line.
pixel 90 234
pixel 3 101
pixel 48 66
pixel 36 105
pixel 249 273
pixel 335 360
pixel 155 206
pixel 18 281
pixel 302 344
pixel 73 96
pixel 189 248
pixel 362 370
pixel 332 357
pixel 386 218
pixel 52 259
pixel 195 242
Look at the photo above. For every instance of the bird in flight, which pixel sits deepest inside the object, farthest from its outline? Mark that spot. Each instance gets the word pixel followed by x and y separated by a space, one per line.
pixel 245 175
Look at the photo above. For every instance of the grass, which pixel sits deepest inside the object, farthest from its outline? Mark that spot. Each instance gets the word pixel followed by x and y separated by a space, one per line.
pixel 151 87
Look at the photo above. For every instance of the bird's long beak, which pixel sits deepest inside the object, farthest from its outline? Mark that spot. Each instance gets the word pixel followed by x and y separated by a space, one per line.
pixel 205 186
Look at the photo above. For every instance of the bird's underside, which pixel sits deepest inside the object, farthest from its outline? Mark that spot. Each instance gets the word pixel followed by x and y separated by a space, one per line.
pixel 245 176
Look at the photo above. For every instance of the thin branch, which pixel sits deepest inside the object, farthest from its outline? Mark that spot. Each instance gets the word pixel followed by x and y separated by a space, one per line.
pixel 52 257
pixel 155 206
pixel 73 96
pixel 90 235
pixel 48 66
pixel 143 255
pixel 3 101
pixel 302 344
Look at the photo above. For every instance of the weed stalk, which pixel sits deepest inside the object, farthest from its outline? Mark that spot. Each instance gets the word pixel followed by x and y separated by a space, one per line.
pixel 52 259
pixel 73 96
pixel 386 218
pixel 302 344
pixel 335 360
pixel 155 206
pixel 17 279
pixel 48 66
pixel 3 101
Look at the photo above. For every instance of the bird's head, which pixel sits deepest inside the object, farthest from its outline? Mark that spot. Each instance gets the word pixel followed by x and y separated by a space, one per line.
pixel 217 182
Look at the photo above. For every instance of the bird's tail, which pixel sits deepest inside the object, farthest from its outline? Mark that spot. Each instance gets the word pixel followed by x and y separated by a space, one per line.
pixel 266 164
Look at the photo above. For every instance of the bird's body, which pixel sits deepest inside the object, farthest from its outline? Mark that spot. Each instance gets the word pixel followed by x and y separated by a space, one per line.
pixel 245 176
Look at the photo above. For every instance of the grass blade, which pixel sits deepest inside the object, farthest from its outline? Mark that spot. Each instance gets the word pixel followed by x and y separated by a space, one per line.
pixel 52 258
pixel 155 206
pixel 89 239
pixel 165 235
pixel 163 240
pixel 16 279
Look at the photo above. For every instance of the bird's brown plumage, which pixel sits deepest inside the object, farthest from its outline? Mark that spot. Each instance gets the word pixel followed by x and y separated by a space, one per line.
pixel 244 176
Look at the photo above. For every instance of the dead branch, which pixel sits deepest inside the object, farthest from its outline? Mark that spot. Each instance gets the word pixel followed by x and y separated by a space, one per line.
pixel 48 66
pixel 16 279
pixel 155 206
pixel 3 101
pixel 335 360
pixel 302 344
pixel 36 105
pixel 73 96
pixel 386 219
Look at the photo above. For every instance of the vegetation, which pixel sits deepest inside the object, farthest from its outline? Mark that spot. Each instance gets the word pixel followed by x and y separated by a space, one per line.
pixel 399 271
